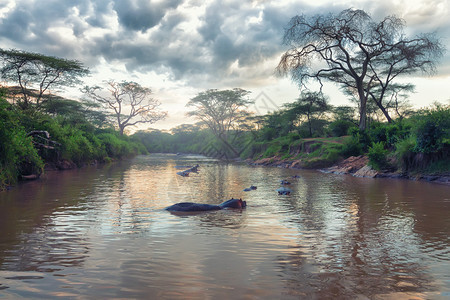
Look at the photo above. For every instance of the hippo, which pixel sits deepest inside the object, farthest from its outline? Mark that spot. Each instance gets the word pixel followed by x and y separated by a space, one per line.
pixel 196 207
pixel 193 169
pixel 251 188
pixel 185 173
pixel 284 191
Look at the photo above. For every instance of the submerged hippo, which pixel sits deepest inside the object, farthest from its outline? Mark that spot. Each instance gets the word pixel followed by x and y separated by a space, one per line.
pixel 251 188
pixel 284 191
pixel 193 207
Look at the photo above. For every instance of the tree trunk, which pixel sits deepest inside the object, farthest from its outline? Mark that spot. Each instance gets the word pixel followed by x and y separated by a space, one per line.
pixel 385 112
pixel 362 110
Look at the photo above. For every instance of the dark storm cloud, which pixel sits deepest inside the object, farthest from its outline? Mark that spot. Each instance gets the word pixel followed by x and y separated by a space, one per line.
pixel 27 26
pixel 235 33
pixel 142 14
pixel 228 36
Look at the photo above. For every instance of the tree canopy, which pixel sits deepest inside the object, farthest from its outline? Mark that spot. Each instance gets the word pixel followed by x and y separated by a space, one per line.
pixel 222 111
pixel 308 108
pixel 361 55
pixel 35 74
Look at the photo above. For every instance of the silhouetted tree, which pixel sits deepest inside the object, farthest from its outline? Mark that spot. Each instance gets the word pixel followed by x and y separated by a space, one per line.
pixel 131 103
pixel 222 111
pixel 310 106
pixel 357 53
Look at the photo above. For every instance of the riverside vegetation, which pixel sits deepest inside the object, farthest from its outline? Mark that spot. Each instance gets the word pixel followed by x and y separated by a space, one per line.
pixel 410 146
pixel 417 144
pixel 361 55
pixel 308 133
pixel 81 140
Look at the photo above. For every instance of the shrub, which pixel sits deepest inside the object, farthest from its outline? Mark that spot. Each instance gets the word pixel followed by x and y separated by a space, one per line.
pixel 397 131
pixel 432 129
pixel 377 156
pixel 404 153
pixel 377 132
pixel 340 127
pixel 362 138
pixel 17 153
pixel 351 147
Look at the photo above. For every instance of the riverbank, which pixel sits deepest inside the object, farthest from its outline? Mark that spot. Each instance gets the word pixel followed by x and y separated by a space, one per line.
pixel 355 166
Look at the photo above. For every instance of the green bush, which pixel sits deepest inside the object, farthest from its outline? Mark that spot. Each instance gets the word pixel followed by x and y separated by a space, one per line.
pixel 17 153
pixel 340 127
pixel 377 132
pixel 333 155
pixel 377 156
pixel 432 129
pixel 404 153
pixel 361 137
pixel 115 147
pixel 351 147
pixel 397 131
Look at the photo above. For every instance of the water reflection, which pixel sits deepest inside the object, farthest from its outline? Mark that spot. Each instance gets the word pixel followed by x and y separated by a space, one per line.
pixel 102 232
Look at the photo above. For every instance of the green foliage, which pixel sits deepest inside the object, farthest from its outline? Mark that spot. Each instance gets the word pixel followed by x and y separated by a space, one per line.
pixel 377 132
pixel 352 147
pixel 377 156
pixel 361 137
pixel 404 153
pixel 432 130
pixel 340 127
pixel 36 73
pixel 397 131
pixel 323 155
pixel 114 146
pixel 17 154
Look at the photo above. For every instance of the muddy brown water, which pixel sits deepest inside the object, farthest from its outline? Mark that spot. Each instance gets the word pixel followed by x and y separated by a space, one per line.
pixel 102 233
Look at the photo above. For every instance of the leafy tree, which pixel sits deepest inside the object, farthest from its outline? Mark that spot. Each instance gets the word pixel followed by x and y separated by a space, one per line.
pixel 36 73
pixel 17 154
pixel 276 124
pixel 357 53
pixel 343 113
pixel 131 103
pixel 76 112
pixel 310 106
pixel 222 111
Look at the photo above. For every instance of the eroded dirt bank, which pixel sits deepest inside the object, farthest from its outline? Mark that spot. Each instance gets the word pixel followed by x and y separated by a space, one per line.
pixel 356 166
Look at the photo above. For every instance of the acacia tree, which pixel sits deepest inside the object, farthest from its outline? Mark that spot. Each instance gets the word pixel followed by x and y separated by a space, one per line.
pixel 131 103
pixel 36 73
pixel 309 106
pixel 222 111
pixel 357 53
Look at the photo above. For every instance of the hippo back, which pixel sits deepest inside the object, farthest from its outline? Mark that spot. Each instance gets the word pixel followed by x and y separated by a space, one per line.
pixel 190 206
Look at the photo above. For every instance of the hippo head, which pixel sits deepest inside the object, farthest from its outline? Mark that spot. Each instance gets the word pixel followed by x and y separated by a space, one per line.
pixel 233 203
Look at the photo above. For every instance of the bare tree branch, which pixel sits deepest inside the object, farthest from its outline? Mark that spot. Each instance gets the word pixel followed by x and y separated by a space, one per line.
pixel 131 103
pixel 358 53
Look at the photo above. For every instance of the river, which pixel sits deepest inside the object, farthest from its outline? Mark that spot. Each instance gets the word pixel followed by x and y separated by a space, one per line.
pixel 102 232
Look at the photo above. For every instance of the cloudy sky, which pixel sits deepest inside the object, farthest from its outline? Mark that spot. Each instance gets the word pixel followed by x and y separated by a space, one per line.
pixel 179 48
